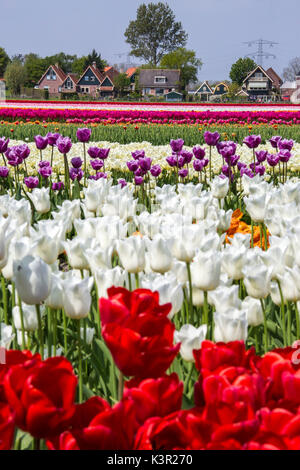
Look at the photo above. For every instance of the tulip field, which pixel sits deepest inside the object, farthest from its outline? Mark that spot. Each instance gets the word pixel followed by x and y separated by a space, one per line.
pixel 150 289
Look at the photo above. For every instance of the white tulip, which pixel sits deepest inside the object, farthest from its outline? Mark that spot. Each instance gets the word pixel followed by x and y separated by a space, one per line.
pixel 132 254
pixel 179 269
pixel 225 298
pixel 5 239
pixel 290 284
pixel 253 310
pixel 206 270
pixel 55 298
pixel 89 333
pixel 32 277
pixel 233 261
pixel 230 326
pixel 29 317
pixel 6 336
pixel 98 258
pixel 76 297
pixel 160 256
pixel 168 288
pixel 75 250
pixel 190 338
pixel 106 278
pixel 257 280
pixel 219 187
pixel 46 248
pixel 18 248
pixel 41 199
pixel 256 206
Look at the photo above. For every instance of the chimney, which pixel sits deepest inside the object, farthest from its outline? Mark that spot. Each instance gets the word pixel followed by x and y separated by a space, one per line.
pixel 56 65
pixel 94 65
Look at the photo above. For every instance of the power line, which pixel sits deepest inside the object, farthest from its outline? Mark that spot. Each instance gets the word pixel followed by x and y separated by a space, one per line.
pixel 260 54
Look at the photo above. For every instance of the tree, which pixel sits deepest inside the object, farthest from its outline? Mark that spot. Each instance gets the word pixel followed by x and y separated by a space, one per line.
pixel 186 61
pixel 95 57
pixel 78 65
pixel 34 67
pixel 121 82
pixel 233 89
pixel 154 32
pixel 241 69
pixel 4 61
pixel 290 72
pixel 15 77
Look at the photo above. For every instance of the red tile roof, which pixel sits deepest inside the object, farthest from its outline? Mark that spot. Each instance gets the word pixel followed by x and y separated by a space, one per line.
pixel 129 72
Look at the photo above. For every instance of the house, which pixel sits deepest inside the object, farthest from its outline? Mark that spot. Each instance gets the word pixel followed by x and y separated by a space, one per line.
pixel 262 85
pixel 220 89
pixel 52 80
pixel 131 74
pixel 70 83
pixel 204 91
pixel 290 91
pixel 173 96
pixel 97 84
pixel 158 82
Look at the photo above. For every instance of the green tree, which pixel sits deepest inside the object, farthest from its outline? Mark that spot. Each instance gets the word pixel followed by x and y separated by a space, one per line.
pixel 4 61
pixel 34 67
pixel 95 57
pixel 121 83
pixel 78 65
pixel 241 69
pixel 15 77
pixel 186 61
pixel 154 32
pixel 234 88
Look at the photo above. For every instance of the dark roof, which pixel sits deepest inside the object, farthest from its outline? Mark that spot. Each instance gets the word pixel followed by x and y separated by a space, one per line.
pixel 146 77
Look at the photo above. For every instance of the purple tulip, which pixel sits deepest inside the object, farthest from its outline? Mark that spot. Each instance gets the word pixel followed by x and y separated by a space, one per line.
pixel 211 138
pixel 3 144
pixel 233 160
pixel 58 186
pixel 284 156
pixel 76 162
pixel 138 180
pixel 13 159
pixel 97 176
pixel 44 164
pixel 31 182
pixel 138 154
pixel 172 161
pixel 97 164
pixel 4 171
pixel 103 154
pixel 272 159
pixel 132 165
pixel 140 172
pixel 94 152
pixel 228 151
pixel 285 144
pixel 274 141
pixel 260 169
pixel 83 135
pixel 64 144
pixel 176 145
pixel 40 142
pixel 76 174
pixel 221 145
pixel 252 141
pixel 155 171
pixel 187 156
pixel 241 165
pixel 247 171
pixel 45 171
pixel 22 151
pixel 145 163
pixel 226 170
pixel 183 173
pixel 199 152
pixel 122 182
pixel 52 138
pixel 261 155
pixel 198 165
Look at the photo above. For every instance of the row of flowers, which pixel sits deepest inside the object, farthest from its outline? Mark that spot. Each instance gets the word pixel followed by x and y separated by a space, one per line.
pixel 152 116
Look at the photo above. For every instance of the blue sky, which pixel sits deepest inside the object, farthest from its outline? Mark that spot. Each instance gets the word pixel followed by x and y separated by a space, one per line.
pixel 216 28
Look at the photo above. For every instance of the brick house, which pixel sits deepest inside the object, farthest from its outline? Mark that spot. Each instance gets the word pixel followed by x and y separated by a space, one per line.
pixel 131 74
pixel 52 80
pixel 95 83
pixel 70 84
pixel 261 85
pixel 158 82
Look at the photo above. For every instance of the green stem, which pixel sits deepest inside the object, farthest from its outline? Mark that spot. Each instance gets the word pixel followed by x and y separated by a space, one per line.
pixel 297 321
pixel 188 267
pixel 289 324
pixel 129 282
pixel 137 281
pixel 252 234
pixel 79 362
pixel 4 299
pixel 22 321
pixel 205 309
pixel 54 328
pixel 120 386
pixel 40 330
pixel 265 326
pixel 65 332
pixel 188 379
pixel 282 315
pixel 84 157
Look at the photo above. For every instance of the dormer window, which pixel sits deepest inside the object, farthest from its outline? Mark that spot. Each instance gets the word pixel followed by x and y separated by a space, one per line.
pixel 160 79
pixel 51 75
pixel 259 74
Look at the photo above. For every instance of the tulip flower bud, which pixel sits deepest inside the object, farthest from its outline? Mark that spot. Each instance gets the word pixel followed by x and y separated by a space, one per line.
pixel 32 278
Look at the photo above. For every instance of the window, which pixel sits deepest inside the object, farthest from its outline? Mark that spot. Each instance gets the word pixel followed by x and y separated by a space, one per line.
pixel 160 79
pixel 147 91
pixel 92 79
pixel 87 90
pixel 86 78
pixel 59 88
pixel 159 91
pixel 46 88
pixel 51 75
pixel 259 74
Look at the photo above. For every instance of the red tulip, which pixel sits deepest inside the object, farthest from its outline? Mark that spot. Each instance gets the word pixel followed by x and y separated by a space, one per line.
pixel 7 427
pixel 137 332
